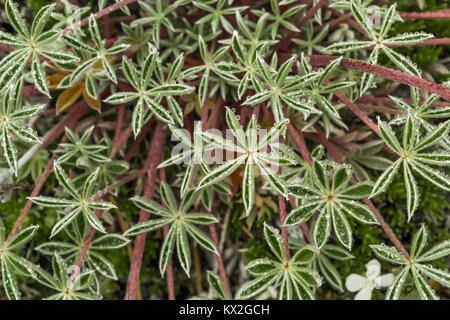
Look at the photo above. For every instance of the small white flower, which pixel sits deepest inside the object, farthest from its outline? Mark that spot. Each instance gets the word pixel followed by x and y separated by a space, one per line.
pixel 365 285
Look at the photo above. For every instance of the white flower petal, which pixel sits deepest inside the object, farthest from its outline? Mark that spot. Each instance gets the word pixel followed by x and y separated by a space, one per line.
pixel 355 282
pixel 373 268
pixel 384 281
pixel 364 294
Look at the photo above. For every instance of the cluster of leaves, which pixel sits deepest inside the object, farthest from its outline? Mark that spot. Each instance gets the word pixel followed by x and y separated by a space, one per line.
pixel 227 57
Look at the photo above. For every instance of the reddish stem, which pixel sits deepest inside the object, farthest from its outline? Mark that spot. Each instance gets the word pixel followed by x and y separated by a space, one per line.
pixel 106 11
pixel 440 14
pixel 282 205
pixel 154 155
pixel 386 73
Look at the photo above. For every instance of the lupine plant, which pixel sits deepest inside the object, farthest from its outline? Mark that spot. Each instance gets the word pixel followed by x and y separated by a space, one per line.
pixel 296 169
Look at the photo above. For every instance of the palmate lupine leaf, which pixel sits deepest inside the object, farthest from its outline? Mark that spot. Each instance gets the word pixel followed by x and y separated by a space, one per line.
pixel 414 160
pixel 250 153
pixel 83 203
pixel 180 225
pixel 379 41
pixel 13 115
pixel 419 271
pixel 294 274
pixel 332 201
pixel 30 45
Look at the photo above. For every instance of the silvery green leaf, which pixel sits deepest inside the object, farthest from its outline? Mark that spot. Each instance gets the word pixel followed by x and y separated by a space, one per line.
pixel 147 226
pixel 237 47
pixel 188 199
pixel 321 175
pixel 102 265
pixel 304 255
pixel 258 98
pixel 274 180
pixel 8 39
pixel 328 71
pixel 367 78
pixel 341 177
pixel 388 20
pixel 93 220
pixel 386 178
pixel 110 73
pixel 362 18
pixel 434 136
pixel 402 62
pixel 302 213
pixel 38 74
pixel 321 229
pixel 109 241
pixel 77 44
pixel 439 275
pixel 175 110
pixel 256 286
pixel 358 211
pixel 22 237
pixel 130 72
pixel 56 247
pixel 341 227
pixel 235 126
pixel 389 137
pixel 342 47
pixel 221 172
pixel 337 86
pixel 64 180
pixel 91 183
pixel 41 19
pixel 79 72
pixel 12 69
pixel 286 287
pixel 183 250
pixel 15 18
pixel 9 278
pixel 116 49
pixel 438 251
pixel 62 223
pixel 436 177
pixel 95 33
pixel 167 196
pixel 52 202
pixel 264 69
pixel 20 265
pixel 389 254
pixel 217 141
pixel 422 286
pixel 25 134
pixel 303 191
pixel 330 273
pixel 310 277
pixel 408 38
pixel 396 287
pixel 58 56
pixel 248 186
pixel 357 191
pixel 412 190
pixel 261 266
pixel 284 70
pixel 301 289
pixel 299 105
pixel 137 118
pixel 159 111
pixel 200 218
pixel 275 241
pixel 201 238
pixel 101 205
pixel 9 150
pixel 336 252
pixel 216 283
